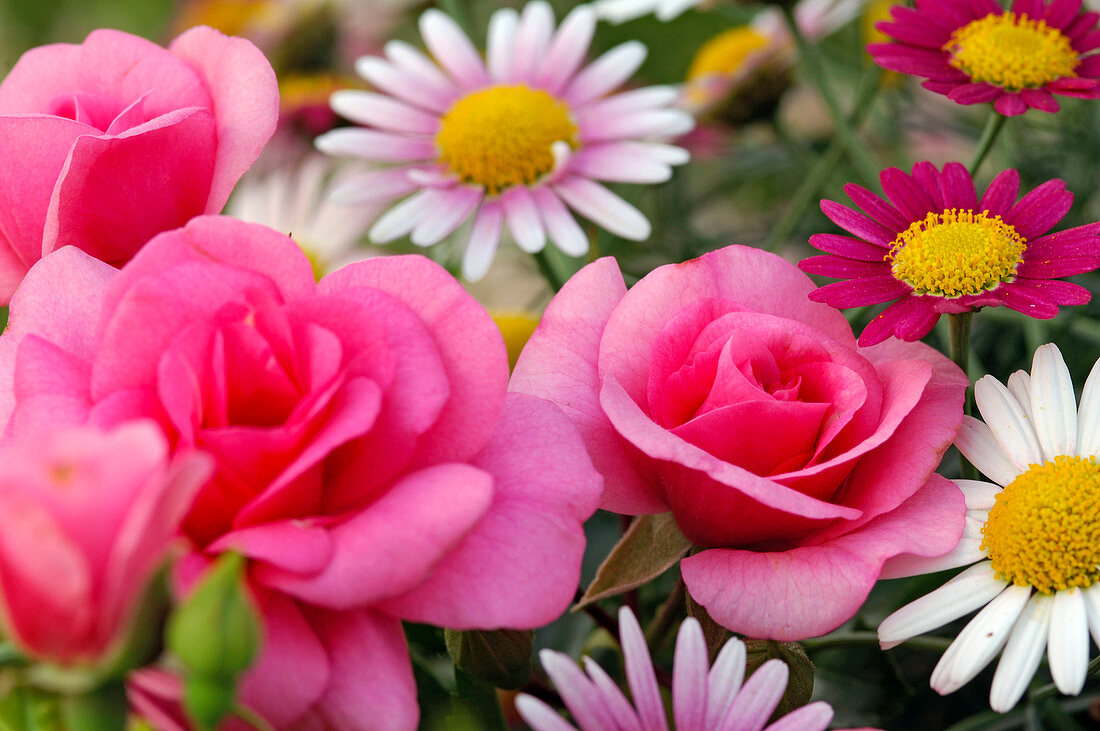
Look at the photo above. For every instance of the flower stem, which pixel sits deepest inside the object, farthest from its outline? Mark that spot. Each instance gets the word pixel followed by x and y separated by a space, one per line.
pixel 548 270
pixel 823 170
pixel 959 326
pixel 667 614
pixel 866 167
pixel 992 128
pixel 856 639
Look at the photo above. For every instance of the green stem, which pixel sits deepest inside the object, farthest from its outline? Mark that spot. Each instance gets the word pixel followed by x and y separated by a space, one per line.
pixel 667 614
pixel 857 639
pixel 478 702
pixel 252 718
pixel 549 272
pixel 959 326
pixel 865 166
pixel 993 128
pixel 822 171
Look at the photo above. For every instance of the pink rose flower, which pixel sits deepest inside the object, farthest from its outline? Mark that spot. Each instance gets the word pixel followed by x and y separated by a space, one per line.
pixel 800 462
pixel 86 517
pixel 369 460
pixel 108 143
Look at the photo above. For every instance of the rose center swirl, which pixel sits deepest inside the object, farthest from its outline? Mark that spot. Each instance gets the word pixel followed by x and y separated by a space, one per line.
pixel 1044 528
pixel 1012 51
pixel 502 136
pixel 956 252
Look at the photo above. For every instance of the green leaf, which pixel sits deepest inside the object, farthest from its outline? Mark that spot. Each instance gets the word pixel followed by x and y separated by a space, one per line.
pixel 800 684
pixel 499 657
pixel 651 546
pixel 103 709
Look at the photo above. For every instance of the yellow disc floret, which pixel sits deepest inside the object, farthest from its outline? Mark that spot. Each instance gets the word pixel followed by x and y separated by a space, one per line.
pixel 1012 51
pixel 726 52
pixel 1044 528
pixel 957 252
pixel 502 136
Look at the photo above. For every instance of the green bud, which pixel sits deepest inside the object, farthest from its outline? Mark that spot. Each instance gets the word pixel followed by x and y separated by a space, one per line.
pixel 499 657
pixel 208 700
pixel 215 633
pixel 800 685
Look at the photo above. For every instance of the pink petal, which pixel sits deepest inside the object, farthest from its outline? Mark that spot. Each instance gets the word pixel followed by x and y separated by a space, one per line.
pixel 567 49
pixel 452 49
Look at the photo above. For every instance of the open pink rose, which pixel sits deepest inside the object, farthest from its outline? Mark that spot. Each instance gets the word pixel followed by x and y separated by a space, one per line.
pixel 85 519
pixel 108 143
pixel 798 461
pixel 369 460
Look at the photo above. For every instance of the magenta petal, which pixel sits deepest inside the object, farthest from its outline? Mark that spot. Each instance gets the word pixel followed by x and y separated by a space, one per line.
pixel 911 198
pixel 858 224
pixel 848 247
pixel 1028 300
pixel 559 365
pixel 370 675
pixel 520 566
pixel 958 187
pixel 974 93
pixel 811 590
pixel 1038 211
pixel 1040 99
pixel 404 532
pixel 910 318
pixel 245 97
pixel 1010 104
pixel 1001 194
pixel 1065 266
pixel 467 339
pixel 877 208
pixel 860 292
pixel 842 268
pixel 1060 293
pixel 293 545
pixel 110 197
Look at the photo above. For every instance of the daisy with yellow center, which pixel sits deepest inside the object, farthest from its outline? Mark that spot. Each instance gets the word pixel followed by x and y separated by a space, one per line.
pixel 978 52
pixel 1032 535
pixel 514 141
pixel 932 247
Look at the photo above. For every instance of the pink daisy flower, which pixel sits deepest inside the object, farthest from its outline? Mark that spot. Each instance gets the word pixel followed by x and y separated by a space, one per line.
pixel 703 699
pixel 936 249
pixel 977 52
pixel 516 140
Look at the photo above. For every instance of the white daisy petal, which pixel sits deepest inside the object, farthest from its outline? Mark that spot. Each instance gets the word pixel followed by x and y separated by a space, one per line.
pixel 655 123
pixel 579 694
pixel 976 442
pixel 1022 654
pixel 371 145
pixel 1092 607
pixel 598 204
pixel 540 716
pixel 978 495
pixel 1053 403
pixel 484 239
pixel 1006 419
pixel 376 185
pixel 689 676
pixel 523 219
pixel 605 73
pixel 961 595
pixel 980 641
pixel 563 229
pixel 455 208
pixel 758 698
pixel 620 11
pixel 567 50
pixel 452 49
pixel 669 9
pixel 536 26
pixel 402 218
pixel 402 84
pixel 501 44
pixel 1088 416
pixel 614 700
pixel 1019 385
pixel 423 71
pixel 382 111
pixel 1068 641
pixel 639 672
pixel 812 717
pixel 724 680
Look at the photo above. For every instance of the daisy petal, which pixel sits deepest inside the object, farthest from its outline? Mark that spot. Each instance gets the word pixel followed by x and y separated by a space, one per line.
pixel 1053 403
pixel 501 43
pixel 523 219
pixel 980 641
pixel 689 676
pixel 563 229
pixel 1068 641
pixel 600 205
pixel 567 50
pixel 1088 418
pixel 484 239
pixel 639 672
pixel 617 704
pixel 812 717
pixel 540 716
pixel 1008 422
pixel 1022 654
pixel 1019 385
pixel 758 698
pixel 724 681
pixel 605 73
pixel 976 442
pixel 452 49
pixel 580 696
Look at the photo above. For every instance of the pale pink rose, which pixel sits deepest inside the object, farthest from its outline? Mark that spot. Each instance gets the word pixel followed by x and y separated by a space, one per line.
pixel 369 460
pixel 86 517
pixel 110 142
pixel 798 461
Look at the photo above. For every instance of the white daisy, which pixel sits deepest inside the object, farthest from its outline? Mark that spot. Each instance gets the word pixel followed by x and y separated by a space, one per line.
pixel 703 699
pixel 1034 531
pixel 517 139
pixel 620 11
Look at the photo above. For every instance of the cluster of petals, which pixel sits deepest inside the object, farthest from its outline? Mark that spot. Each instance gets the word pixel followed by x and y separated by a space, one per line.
pixel 704 698
pixel 619 137
pixel 921 33
pixel 1033 421
pixel 96 133
pixel 862 259
pixel 341 415
pixel 86 517
pixel 798 462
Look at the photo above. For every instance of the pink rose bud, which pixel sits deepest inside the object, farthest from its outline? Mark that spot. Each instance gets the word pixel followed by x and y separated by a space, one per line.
pixel 86 517
pixel 113 141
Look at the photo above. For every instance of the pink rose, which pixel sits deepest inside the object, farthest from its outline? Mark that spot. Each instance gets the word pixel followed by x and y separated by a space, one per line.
pixel 369 461
pixel 85 519
pixel 108 143
pixel 798 461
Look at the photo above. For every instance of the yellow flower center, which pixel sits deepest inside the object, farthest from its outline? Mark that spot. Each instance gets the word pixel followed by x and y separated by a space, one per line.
pixel 502 136
pixel 726 52
pixel 1011 51
pixel 1044 528
pixel 955 253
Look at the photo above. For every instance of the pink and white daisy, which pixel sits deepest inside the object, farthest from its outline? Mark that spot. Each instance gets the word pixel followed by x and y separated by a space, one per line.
pixel 518 139
pixel 714 699
pixel 934 248
pixel 976 52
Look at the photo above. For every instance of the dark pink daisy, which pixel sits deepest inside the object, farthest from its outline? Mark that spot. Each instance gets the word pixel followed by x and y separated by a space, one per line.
pixel 936 249
pixel 974 51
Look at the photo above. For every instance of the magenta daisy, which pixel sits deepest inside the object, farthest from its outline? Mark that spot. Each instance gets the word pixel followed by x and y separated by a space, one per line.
pixel 977 52
pixel 516 140
pixel 936 249
pixel 716 698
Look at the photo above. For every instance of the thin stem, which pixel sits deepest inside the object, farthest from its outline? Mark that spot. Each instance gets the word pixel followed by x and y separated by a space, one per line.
pixel 599 615
pixel 993 128
pixel 813 183
pixel 856 639
pixel 549 272
pixel 959 327
pixel 666 617
pixel 808 53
